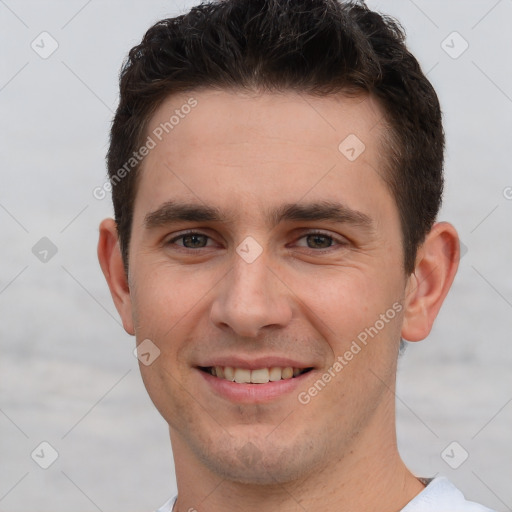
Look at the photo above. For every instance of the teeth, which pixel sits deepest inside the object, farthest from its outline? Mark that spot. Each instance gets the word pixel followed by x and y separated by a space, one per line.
pixel 275 374
pixel 287 373
pixel 242 376
pixel 229 373
pixel 259 376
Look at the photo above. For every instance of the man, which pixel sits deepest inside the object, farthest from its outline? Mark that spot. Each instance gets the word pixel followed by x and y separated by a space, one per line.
pixel 276 170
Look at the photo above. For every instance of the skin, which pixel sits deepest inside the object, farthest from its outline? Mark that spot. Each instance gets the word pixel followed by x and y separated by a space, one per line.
pixel 303 297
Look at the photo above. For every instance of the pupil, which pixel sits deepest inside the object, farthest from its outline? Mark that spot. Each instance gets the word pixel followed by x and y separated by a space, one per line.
pixel 194 240
pixel 321 241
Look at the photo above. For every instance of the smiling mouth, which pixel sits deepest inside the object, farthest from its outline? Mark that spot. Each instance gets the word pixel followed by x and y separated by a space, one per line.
pixel 258 376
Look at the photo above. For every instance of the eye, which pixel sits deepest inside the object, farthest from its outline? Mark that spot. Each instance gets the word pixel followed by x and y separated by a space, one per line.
pixel 321 241
pixel 190 240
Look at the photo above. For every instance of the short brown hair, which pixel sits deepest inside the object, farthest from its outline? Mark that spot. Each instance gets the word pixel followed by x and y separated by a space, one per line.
pixel 318 47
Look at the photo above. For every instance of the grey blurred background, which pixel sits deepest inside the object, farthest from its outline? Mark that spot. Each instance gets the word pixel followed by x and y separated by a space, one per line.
pixel 67 372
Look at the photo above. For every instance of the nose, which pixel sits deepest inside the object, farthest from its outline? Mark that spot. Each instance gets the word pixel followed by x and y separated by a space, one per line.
pixel 250 298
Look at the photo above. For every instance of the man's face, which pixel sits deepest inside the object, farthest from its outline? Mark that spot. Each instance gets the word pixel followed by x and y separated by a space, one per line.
pixel 268 282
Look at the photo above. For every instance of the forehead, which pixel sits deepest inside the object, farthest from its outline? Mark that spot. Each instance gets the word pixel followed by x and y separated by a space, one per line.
pixel 282 116
pixel 240 147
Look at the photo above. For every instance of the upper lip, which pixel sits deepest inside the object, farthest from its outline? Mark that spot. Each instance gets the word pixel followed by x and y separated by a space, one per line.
pixel 253 363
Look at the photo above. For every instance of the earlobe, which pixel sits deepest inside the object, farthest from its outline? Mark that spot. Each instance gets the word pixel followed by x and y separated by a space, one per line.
pixel 436 265
pixel 111 262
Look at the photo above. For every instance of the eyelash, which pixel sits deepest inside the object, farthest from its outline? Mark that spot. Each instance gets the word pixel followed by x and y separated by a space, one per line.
pixel 333 239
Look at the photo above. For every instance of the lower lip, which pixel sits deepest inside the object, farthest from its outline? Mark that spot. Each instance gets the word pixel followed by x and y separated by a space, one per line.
pixel 253 393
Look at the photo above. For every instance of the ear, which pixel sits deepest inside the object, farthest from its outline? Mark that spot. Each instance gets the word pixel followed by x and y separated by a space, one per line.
pixel 436 265
pixel 111 262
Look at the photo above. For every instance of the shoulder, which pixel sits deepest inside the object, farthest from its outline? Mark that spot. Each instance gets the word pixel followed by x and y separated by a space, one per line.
pixel 167 506
pixel 440 495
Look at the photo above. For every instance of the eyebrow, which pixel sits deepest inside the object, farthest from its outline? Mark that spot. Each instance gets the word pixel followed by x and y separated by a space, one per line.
pixel 176 211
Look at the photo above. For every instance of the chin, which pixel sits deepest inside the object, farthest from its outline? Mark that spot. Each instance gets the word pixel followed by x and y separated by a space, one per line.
pixel 261 463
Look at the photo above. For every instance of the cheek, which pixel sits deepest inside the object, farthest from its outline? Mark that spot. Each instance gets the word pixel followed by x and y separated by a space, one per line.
pixel 338 302
pixel 358 312
pixel 171 308
pixel 165 307
pixel 164 296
